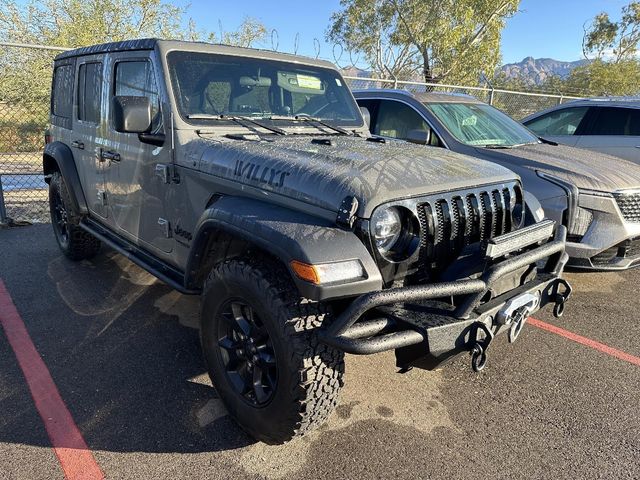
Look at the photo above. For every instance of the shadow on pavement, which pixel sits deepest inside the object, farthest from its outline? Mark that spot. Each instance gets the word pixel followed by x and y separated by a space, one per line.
pixel 118 348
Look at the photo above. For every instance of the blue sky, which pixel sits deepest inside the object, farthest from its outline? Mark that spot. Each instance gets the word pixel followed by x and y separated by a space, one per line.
pixel 543 28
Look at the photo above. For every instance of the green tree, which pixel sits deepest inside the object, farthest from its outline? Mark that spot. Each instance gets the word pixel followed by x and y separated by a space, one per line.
pixel 613 41
pixel 606 78
pixel 612 47
pixel 440 40
pixel 77 23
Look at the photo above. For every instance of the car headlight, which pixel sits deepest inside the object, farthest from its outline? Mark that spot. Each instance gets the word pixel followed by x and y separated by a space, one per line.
pixel 517 208
pixel 396 232
pixel 386 228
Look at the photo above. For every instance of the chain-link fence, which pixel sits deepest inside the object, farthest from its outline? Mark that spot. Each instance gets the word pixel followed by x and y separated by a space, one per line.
pixel 25 78
pixel 515 104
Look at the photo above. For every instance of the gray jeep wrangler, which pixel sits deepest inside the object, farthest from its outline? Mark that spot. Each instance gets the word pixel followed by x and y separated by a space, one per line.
pixel 249 177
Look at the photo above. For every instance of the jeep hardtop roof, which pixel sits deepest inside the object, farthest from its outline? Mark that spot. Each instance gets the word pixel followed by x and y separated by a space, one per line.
pixel 168 45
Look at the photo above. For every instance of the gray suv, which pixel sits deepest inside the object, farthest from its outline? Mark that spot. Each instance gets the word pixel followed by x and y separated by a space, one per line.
pixel 607 125
pixel 249 178
pixel 596 196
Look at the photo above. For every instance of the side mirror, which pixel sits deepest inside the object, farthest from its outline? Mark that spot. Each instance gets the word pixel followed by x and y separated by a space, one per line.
pixel 421 137
pixel 366 115
pixel 131 114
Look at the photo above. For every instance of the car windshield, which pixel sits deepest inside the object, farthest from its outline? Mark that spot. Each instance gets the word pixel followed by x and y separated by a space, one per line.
pixel 210 87
pixel 480 125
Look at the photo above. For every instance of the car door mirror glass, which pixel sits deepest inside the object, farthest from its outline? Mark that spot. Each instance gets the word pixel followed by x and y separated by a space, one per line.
pixel 131 114
pixel 421 137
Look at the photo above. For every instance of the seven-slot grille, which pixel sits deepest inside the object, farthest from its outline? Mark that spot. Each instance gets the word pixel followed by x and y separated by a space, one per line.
pixel 629 204
pixel 448 224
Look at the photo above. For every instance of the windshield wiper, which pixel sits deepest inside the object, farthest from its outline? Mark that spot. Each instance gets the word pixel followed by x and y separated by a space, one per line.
pixel 548 142
pixel 497 146
pixel 316 122
pixel 240 120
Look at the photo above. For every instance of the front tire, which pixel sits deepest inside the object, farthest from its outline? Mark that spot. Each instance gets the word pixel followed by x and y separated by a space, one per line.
pixel 75 243
pixel 261 348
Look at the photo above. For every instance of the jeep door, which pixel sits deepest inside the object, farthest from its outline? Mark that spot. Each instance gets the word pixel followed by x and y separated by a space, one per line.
pixel 89 126
pixel 134 169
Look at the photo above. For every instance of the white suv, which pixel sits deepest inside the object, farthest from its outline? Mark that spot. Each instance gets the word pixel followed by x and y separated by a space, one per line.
pixel 607 125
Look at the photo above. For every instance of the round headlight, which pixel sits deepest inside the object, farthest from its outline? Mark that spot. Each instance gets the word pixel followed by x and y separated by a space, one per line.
pixel 387 227
pixel 517 209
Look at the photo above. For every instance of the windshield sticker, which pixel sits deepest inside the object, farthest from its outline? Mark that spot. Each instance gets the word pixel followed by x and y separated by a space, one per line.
pixel 307 81
pixel 470 121
pixel 338 82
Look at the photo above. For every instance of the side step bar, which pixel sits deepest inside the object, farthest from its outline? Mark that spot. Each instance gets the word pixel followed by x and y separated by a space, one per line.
pixel 160 270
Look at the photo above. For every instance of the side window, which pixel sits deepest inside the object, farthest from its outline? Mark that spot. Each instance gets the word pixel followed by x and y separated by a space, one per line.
pixel 136 79
pixel 89 92
pixel 396 120
pixel 62 91
pixel 611 121
pixel 634 121
pixel 560 122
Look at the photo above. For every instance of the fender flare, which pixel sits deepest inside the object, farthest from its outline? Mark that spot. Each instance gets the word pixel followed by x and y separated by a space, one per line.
pixel 57 154
pixel 287 235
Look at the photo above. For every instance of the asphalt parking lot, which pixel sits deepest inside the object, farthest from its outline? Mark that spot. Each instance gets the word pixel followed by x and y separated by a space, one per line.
pixel 123 354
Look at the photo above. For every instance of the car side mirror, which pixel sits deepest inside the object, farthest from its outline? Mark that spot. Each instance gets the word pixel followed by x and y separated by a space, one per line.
pixel 131 114
pixel 366 115
pixel 421 137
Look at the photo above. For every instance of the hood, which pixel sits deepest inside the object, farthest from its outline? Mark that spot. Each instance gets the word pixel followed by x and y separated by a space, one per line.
pixel 585 169
pixel 324 174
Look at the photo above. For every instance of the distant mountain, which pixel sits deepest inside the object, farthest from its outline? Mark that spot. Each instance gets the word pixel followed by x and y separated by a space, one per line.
pixel 355 72
pixel 533 70
pixel 536 70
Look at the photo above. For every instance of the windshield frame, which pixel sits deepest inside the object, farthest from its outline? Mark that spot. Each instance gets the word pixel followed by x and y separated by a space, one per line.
pixel 174 92
pixel 534 139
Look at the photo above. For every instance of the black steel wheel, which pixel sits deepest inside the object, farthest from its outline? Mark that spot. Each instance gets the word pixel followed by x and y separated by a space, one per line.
pixel 59 218
pixel 259 340
pixel 75 243
pixel 247 352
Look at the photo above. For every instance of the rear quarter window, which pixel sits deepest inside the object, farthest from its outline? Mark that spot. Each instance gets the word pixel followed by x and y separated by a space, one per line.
pixel 62 95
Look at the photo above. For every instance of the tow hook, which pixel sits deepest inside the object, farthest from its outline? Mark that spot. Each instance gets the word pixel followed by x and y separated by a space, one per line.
pixel 516 312
pixel 479 348
pixel 520 316
pixel 561 298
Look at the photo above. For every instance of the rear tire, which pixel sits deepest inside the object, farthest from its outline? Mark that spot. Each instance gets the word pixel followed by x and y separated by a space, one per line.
pixel 253 319
pixel 75 243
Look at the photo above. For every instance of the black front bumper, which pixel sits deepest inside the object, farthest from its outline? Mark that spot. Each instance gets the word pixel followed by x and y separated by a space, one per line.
pixel 425 329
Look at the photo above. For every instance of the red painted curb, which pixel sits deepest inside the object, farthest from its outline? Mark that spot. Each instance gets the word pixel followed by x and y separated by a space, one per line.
pixel 601 347
pixel 75 458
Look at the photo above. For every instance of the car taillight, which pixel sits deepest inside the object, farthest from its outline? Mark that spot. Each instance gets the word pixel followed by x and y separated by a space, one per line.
pixel 47 137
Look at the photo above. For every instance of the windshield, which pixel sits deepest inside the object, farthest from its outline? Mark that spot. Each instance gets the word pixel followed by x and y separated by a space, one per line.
pixel 480 125
pixel 210 85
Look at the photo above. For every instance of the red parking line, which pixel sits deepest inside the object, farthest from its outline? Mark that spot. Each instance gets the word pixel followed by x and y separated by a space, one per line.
pixel 75 458
pixel 601 347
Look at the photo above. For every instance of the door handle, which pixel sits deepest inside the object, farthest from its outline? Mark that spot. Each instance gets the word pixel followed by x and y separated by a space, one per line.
pixel 109 155
pixel 77 144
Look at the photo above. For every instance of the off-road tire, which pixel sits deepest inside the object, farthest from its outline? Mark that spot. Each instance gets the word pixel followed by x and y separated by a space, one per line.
pixel 309 373
pixel 75 243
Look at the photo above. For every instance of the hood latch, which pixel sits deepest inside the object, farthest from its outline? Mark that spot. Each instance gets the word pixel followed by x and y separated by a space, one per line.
pixel 347 212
